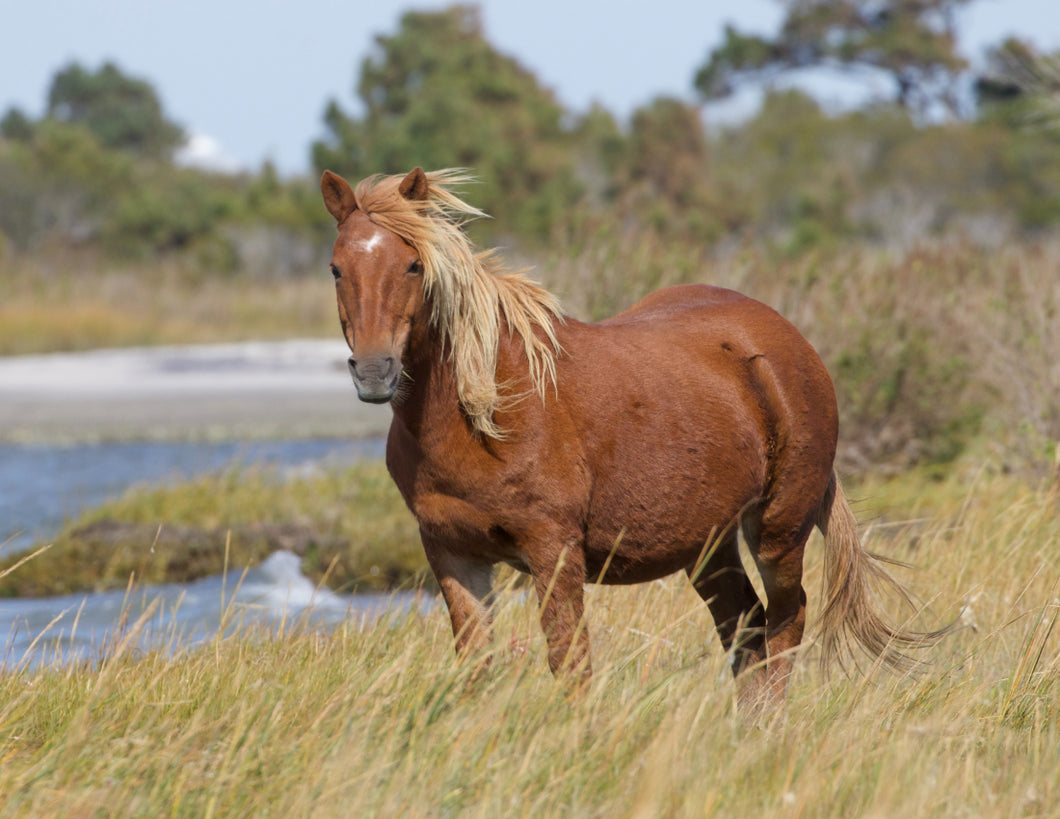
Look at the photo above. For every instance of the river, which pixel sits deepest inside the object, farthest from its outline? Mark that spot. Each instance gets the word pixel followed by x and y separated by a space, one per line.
pixel 42 486
pixel 77 429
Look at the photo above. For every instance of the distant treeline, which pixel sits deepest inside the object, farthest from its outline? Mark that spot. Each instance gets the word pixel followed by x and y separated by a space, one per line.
pixel 97 171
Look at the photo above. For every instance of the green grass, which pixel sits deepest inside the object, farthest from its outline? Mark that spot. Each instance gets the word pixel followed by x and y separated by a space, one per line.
pixel 349 524
pixel 381 720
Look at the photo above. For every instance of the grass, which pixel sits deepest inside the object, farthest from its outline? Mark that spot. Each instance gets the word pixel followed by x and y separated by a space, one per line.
pixel 349 523
pixel 74 305
pixel 378 719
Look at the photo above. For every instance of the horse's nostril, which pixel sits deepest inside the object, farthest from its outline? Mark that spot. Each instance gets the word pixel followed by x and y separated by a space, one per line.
pixel 372 367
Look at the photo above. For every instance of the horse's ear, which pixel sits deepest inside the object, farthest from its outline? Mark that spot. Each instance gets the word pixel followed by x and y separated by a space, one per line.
pixel 338 195
pixel 414 185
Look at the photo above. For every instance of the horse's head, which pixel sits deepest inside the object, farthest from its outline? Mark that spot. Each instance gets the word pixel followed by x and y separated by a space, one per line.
pixel 379 286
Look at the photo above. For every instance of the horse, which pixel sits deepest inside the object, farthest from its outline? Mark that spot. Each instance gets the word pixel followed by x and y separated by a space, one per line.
pixel 615 452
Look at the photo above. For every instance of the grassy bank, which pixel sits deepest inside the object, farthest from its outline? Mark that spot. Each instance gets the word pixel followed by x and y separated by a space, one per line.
pixel 380 720
pixel 348 523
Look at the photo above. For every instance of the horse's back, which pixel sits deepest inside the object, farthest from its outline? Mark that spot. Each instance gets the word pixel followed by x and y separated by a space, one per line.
pixel 678 299
pixel 723 330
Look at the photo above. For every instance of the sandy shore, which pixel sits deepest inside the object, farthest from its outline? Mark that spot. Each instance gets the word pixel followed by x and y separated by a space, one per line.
pixel 289 389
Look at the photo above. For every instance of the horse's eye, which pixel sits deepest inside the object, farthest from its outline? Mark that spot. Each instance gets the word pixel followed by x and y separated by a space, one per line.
pixel 416 268
pixel 335 272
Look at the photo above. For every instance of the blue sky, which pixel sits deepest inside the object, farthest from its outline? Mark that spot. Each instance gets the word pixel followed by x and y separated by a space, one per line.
pixel 251 79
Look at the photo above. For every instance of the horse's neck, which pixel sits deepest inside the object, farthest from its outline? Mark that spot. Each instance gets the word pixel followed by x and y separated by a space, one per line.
pixel 431 405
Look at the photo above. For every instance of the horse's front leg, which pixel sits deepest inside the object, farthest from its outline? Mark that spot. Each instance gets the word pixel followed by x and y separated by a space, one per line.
pixel 466 586
pixel 559 579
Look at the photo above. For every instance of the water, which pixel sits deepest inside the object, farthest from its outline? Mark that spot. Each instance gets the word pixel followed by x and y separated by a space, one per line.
pixel 42 486
pixel 92 626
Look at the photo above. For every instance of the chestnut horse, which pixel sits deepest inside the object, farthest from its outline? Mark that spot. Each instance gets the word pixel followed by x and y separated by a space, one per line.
pixel 616 452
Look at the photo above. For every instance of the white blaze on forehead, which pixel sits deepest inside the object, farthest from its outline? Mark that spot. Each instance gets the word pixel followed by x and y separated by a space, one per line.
pixel 371 243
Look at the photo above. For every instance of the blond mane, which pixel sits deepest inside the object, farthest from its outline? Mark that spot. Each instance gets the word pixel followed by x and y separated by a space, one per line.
pixel 469 292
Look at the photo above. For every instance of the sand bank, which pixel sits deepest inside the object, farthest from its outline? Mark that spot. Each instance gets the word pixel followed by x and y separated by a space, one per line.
pixel 288 389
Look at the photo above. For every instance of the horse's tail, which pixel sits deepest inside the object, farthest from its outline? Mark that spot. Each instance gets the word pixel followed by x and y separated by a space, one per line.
pixel 851 616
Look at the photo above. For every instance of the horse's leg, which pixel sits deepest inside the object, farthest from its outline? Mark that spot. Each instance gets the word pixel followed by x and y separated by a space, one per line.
pixel 738 616
pixel 559 580
pixel 777 541
pixel 466 586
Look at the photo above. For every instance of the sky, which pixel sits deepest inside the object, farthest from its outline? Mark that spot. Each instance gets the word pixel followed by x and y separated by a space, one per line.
pixel 249 80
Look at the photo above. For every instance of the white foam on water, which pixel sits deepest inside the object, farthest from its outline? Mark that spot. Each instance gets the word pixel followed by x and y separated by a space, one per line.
pixel 279 586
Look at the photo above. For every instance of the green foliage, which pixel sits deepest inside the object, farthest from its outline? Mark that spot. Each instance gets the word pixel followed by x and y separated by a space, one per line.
pixel 172 210
pixel 437 94
pixel 1021 87
pixel 738 54
pixel 802 180
pixel 16 125
pixel 59 182
pixel 123 112
pixel 912 40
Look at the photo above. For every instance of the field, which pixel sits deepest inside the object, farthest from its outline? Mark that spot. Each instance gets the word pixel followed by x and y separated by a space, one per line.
pixel 944 359
pixel 381 720
pixel 917 253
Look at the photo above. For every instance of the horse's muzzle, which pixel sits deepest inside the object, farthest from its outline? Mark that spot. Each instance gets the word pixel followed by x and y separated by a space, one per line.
pixel 375 377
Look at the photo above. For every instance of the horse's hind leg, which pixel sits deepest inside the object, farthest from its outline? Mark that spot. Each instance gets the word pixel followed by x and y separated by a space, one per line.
pixel 739 619
pixel 777 539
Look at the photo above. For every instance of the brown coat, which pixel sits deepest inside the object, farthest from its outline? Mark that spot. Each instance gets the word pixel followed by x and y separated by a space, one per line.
pixel 615 452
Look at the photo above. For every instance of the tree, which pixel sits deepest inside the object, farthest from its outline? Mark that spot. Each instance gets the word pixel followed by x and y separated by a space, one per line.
pixel 123 112
pixel 912 40
pixel 16 125
pixel 437 94
pixel 1021 84
pixel 668 150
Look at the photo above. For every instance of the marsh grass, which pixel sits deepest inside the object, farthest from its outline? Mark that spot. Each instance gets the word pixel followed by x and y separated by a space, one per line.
pixel 349 522
pixel 77 304
pixel 933 347
pixel 378 719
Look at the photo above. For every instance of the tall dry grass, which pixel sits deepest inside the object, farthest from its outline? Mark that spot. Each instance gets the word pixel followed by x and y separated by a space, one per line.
pixel 379 720
pixel 74 304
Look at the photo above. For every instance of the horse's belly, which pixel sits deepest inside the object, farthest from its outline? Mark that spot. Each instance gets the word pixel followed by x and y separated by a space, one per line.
pixel 639 552
pixel 638 565
pixel 648 525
